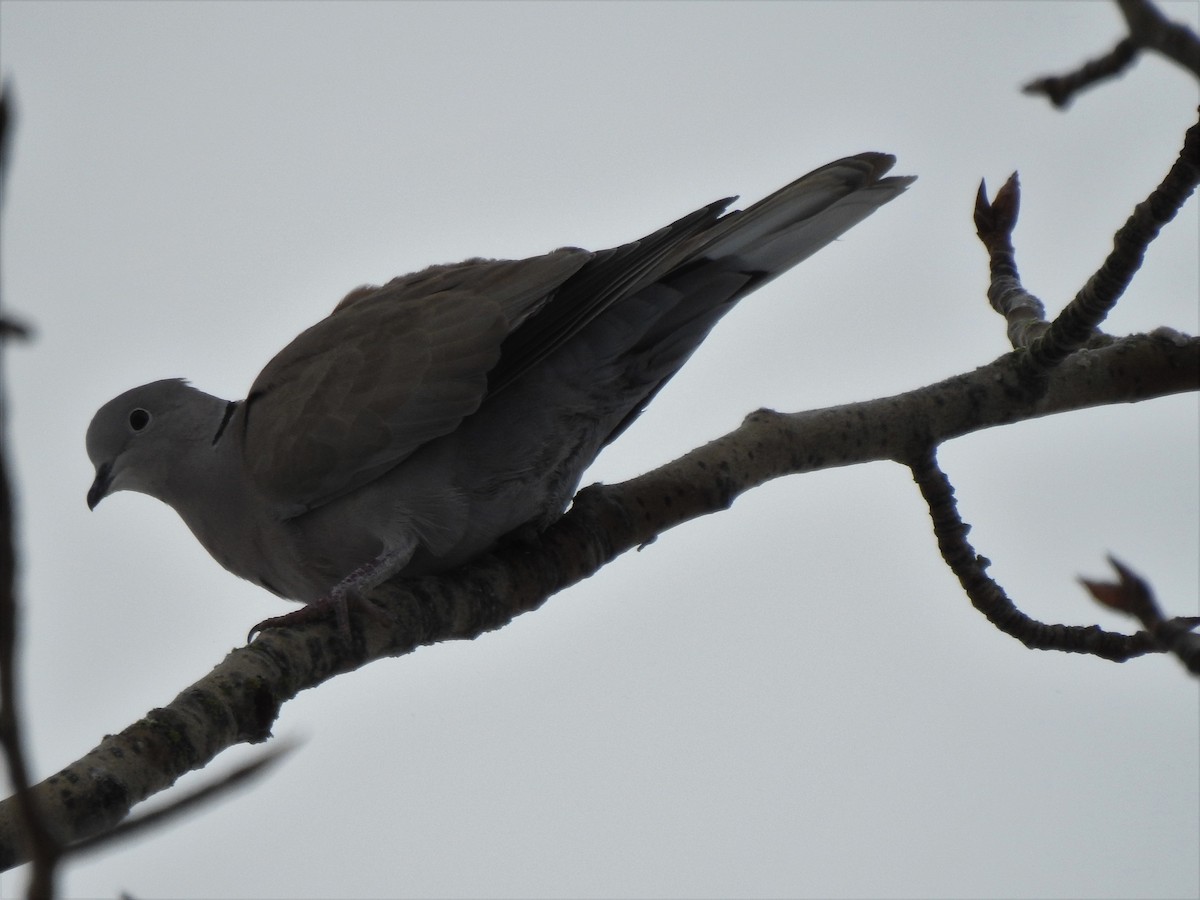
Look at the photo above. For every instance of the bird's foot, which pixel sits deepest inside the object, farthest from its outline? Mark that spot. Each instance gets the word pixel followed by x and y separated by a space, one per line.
pixel 336 603
pixel 350 591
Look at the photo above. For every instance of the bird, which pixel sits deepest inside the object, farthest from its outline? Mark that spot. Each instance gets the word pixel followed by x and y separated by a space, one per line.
pixel 425 419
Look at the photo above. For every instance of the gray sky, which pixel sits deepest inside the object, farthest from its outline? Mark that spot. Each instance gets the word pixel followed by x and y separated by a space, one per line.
pixel 792 698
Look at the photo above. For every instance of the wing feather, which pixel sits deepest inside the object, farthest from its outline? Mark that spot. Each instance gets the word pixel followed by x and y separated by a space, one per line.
pixel 391 369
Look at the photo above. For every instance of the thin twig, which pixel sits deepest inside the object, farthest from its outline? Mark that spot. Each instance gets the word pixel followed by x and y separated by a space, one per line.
pixel 1077 322
pixel 994 223
pixel 1061 89
pixel 185 804
pixel 1132 595
pixel 44 850
pixel 990 599
pixel 1148 29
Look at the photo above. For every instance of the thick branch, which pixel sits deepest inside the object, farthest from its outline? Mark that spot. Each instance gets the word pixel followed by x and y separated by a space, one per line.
pixel 238 701
pixel 1151 30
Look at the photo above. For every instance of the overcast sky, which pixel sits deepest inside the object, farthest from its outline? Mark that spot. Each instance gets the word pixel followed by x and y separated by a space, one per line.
pixel 792 698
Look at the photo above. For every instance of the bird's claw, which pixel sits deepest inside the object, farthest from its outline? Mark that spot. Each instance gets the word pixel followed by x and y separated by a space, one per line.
pixel 337 602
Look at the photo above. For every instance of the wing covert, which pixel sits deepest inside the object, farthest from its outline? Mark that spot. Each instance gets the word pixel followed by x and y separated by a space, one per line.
pixel 391 369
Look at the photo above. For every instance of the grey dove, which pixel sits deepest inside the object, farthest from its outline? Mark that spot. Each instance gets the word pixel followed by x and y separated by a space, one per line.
pixel 423 420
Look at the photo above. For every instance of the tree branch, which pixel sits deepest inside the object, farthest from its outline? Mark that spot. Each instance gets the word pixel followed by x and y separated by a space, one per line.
pixel 1149 29
pixel 1078 321
pixel 44 850
pixel 1050 343
pixel 1132 595
pixel 239 700
pixel 990 599
pixel 994 223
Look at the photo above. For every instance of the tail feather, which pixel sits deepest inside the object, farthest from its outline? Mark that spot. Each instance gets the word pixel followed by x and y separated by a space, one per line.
pixel 742 251
pixel 642 309
pixel 798 220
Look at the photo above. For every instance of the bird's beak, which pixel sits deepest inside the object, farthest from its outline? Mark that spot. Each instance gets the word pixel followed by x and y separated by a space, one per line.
pixel 99 489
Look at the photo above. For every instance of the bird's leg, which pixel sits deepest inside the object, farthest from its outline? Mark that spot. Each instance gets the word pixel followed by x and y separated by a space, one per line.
pixel 350 591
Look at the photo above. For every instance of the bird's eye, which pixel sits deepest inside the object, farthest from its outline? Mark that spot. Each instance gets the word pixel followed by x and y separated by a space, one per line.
pixel 139 419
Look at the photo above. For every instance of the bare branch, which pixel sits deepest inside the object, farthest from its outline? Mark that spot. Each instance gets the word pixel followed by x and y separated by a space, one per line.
pixel 13 328
pixel 1049 344
pixel 185 804
pixel 1061 89
pixel 238 701
pixel 1149 29
pixel 44 850
pixel 990 599
pixel 1132 595
pixel 994 223
pixel 1076 323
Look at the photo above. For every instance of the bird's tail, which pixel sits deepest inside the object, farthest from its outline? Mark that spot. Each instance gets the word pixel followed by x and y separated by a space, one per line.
pixel 796 221
pixel 713 267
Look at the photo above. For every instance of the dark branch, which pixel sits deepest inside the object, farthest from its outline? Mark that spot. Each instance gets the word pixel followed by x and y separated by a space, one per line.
pixel 44 850
pixel 184 805
pixel 1149 29
pixel 1132 595
pixel 990 599
pixel 1077 322
pixel 1061 89
pixel 240 699
pixel 994 223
